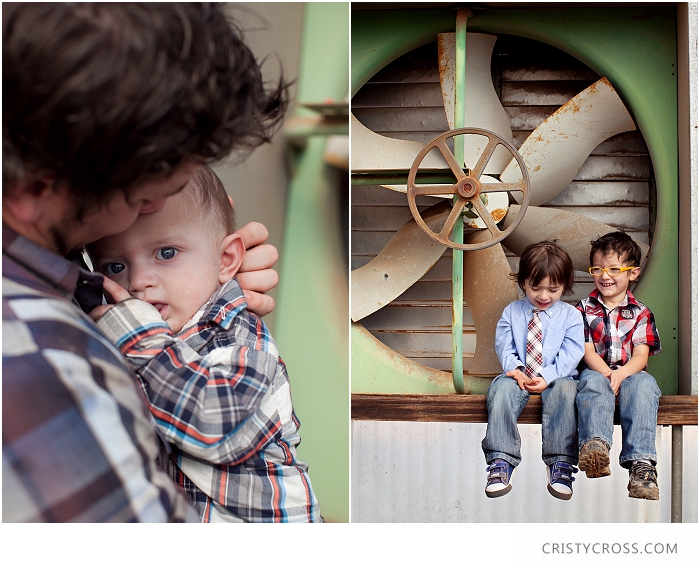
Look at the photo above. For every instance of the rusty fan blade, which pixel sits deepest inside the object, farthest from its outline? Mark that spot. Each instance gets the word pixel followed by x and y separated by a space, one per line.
pixel 404 260
pixel 557 148
pixel 483 109
pixel 571 231
pixel 487 291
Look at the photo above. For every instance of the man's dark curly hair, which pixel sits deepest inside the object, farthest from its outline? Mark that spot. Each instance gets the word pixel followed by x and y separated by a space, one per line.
pixel 101 95
pixel 619 243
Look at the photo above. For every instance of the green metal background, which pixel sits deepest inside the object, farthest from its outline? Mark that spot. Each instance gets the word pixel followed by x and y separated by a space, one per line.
pixel 312 298
pixel 635 48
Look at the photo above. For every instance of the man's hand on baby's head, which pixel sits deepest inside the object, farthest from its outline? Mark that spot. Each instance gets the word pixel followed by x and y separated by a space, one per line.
pixel 114 293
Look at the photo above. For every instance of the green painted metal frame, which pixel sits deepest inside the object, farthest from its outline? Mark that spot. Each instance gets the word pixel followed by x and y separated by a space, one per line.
pixel 312 297
pixel 635 48
pixel 458 230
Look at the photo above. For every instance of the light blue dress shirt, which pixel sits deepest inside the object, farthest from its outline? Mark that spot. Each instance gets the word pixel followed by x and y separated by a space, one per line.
pixel 562 338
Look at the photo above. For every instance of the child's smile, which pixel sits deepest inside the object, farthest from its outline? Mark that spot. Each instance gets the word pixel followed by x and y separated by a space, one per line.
pixel 545 294
pixel 612 288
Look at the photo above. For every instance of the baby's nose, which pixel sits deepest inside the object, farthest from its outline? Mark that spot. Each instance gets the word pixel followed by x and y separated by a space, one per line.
pixel 141 279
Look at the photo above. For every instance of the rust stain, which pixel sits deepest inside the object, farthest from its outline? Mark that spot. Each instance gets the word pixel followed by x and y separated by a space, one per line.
pixel 498 214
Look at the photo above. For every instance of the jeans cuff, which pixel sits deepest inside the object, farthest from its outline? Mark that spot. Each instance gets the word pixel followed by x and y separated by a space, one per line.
pixel 627 460
pixel 491 455
pixel 554 458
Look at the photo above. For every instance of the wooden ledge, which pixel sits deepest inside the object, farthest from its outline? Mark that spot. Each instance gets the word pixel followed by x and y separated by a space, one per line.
pixel 673 409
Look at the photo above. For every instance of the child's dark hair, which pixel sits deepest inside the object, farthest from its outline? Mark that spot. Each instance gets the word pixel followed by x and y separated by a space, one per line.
pixel 620 243
pixel 102 95
pixel 206 189
pixel 546 260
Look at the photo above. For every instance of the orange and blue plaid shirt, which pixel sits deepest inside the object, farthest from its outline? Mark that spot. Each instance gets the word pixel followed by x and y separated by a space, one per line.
pixel 220 394
pixel 78 443
pixel 615 333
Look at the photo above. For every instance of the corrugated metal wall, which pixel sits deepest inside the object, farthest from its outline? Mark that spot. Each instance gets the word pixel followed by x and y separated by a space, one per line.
pixel 614 185
pixel 435 472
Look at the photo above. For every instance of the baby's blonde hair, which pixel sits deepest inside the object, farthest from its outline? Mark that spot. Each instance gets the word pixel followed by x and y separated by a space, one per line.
pixel 208 193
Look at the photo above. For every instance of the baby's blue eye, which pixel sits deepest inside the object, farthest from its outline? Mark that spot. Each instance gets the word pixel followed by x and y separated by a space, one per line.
pixel 166 253
pixel 114 268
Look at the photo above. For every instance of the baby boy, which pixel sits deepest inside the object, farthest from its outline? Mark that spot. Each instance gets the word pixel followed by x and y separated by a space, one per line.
pixel 209 368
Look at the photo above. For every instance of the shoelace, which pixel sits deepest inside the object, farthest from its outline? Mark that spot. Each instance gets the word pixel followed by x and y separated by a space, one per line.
pixel 563 471
pixel 643 470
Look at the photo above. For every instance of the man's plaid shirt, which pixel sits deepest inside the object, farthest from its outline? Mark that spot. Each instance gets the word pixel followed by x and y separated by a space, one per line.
pixel 615 333
pixel 78 443
pixel 220 394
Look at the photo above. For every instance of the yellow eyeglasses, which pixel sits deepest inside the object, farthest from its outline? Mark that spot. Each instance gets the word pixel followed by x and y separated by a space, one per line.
pixel 612 272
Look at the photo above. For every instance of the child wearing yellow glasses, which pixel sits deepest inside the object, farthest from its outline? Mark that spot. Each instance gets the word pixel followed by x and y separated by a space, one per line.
pixel 620 335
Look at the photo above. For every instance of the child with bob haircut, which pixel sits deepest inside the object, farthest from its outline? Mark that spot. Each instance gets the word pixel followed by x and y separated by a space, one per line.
pixel 620 336
pixel 209 368
pixel 539 342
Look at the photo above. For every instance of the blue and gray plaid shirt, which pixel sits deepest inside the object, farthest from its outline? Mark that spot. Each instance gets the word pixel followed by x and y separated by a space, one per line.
pixel 78 442
pixel 220 394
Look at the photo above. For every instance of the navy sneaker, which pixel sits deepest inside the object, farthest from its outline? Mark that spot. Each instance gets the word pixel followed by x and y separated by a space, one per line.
pixel 498 480
pixel 642 483
pixel 594 458
pixel 561 478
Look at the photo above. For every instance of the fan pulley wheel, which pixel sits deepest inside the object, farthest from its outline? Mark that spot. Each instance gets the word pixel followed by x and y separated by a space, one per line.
pixel 468 189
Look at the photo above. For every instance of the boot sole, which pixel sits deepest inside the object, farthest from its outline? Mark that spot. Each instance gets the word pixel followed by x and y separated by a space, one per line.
pixel 595 464
pixel 643 493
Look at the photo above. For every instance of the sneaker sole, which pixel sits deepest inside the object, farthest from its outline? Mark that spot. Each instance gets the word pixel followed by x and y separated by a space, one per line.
pixel 643 493
pixel 500 492
pixel 595 464
pixel 558 495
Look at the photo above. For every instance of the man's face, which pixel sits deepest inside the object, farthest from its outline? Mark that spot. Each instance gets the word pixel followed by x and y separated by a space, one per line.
pixel 170 258
pixel 120 212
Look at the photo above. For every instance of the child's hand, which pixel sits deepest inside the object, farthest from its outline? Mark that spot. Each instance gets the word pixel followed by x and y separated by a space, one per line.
pixel 519 377
pixel 616 376
pixel 114 293
pixel 536 385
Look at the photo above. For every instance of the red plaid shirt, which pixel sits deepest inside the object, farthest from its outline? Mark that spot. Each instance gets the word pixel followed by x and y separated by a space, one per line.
pixel 615 333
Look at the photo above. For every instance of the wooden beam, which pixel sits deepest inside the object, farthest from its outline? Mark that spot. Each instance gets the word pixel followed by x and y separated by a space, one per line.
pixel 673 409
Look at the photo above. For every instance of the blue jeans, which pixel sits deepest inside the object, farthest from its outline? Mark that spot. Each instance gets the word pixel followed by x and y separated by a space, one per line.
pixel 639 403
pixel 505 401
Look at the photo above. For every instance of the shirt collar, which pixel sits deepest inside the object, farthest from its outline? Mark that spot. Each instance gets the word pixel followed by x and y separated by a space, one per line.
pixel 528 307
pixel 53 269
pixel 628 301
pixel 222 307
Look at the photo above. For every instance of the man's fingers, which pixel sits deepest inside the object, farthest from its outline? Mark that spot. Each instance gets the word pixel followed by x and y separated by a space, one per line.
pixel 259 258
pixel 259 303
pixel 253 234
pixel 258 281
pixel 114 292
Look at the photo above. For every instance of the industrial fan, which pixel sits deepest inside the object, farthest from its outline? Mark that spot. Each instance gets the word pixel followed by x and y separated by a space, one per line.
pixel 550 156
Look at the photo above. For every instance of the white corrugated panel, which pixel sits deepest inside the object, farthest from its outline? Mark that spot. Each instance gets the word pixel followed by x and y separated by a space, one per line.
pixel 435 472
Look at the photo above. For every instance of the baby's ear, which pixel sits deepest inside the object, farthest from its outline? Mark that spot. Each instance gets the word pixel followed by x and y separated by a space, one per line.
pixel 232 251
